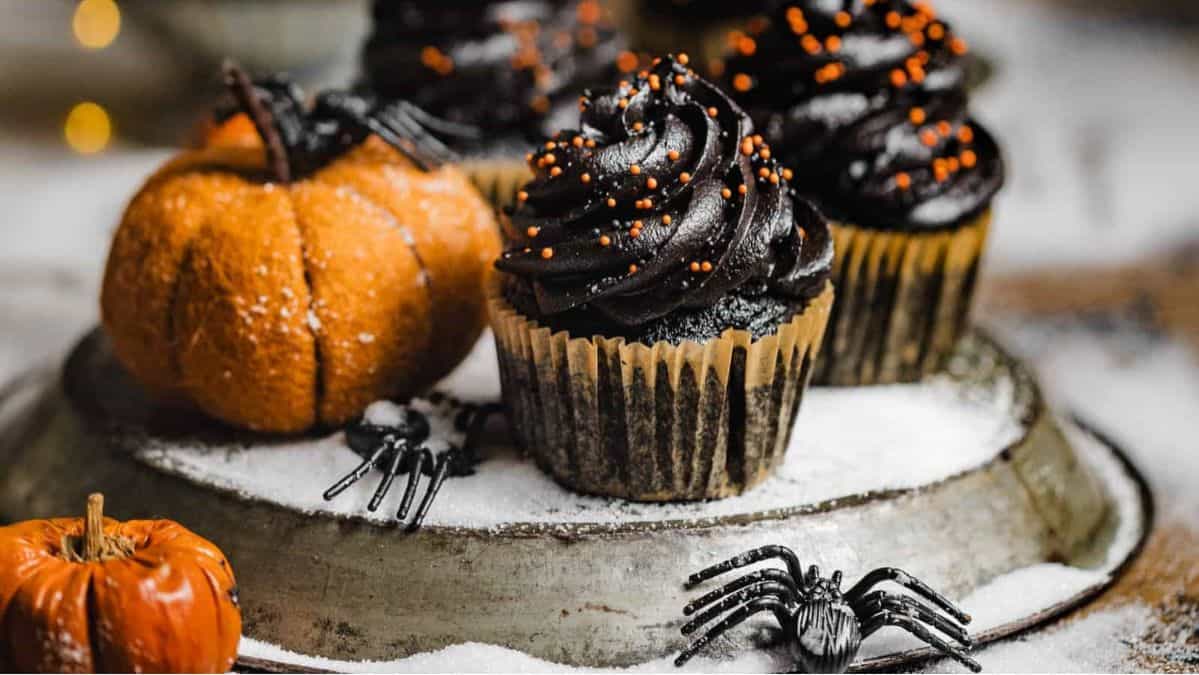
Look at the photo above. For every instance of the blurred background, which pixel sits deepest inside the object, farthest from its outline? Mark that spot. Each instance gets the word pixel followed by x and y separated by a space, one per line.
pixel 1092 272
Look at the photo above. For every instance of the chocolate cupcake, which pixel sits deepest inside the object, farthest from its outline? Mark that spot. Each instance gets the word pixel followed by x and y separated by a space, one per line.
pixel 701 28
pixel 866 102
pixel 505 72
pixel 662 296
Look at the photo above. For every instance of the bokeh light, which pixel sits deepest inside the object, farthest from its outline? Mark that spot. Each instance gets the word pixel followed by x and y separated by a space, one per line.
pixel 88 128
pixel 96 23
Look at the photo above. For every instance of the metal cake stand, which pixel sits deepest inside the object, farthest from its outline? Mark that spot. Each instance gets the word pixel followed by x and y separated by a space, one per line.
pixel 596 594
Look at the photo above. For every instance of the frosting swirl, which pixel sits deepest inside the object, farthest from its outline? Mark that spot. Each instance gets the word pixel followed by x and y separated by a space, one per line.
pixel 499 66
pixel 664 200
pixel 869 100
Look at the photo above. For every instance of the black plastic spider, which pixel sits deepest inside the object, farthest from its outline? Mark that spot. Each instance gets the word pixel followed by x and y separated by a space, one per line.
pixel 823 627
pixel 399 449
pixel 301 139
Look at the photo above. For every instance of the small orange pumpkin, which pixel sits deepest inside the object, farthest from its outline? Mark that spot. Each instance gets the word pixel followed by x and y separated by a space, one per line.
pixel 279 305
pixel 94 595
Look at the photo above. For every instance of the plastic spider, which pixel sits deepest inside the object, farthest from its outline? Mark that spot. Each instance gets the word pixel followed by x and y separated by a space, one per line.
pixel 301 138
pixel 396 445
pixel 823 626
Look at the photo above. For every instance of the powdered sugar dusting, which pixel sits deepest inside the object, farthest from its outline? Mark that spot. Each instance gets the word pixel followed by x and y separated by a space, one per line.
pixel 844 444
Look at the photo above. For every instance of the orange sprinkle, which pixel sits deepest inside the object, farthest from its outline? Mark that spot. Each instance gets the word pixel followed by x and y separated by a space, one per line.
pixel 741 189
pixel 958 46
pixel 747 147
pixel 969 159
pixel 917 39
pixel 747 46
pixel 611 203
pixel 577 141
pixel 586 178
pixel 833 43
pixel 757 139
pixel 522 195
pixel 626 62
pixel 966 134
pixel 705 266
pixel 928 138
pixel 954 164
pixel 893 19
pixel 547 253
pixel 638 126
pixel 941 173
pixel 694 266
pixel 635 233
pixel 623 103
pixel 550 158
pixel 605 240
pixel 632 269
pixel 898 78
pixel 666 219
pixel 651 183
pixel 903 181
pixel 936 31
pixel 655 82
pixel 787 174
pixel 713 112
pixel 683 59
pixel 944 128
pixel 532 232
pixel 635 170
pixel 590 143
pixel 742 82
pixel 764 153
pixel 679 80
pixel 684 178
pixel 556 171
pixel 774 179
pixel 843 19
pixel 916 116
pixel 763 172
pixel 810 44
pixel 673 155
pixel 726 193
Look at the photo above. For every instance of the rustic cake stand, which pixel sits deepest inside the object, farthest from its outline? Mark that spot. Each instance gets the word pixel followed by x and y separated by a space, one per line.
pixel 592 591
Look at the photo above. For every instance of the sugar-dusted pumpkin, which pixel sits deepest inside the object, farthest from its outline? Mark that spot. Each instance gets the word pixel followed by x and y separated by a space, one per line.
pixel 94 595
pixel 286 286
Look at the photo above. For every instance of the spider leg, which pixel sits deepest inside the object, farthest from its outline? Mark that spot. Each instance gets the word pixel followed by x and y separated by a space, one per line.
pixel 909 582
pixel 473 422
pixel 401 448
pixel 355 475
pixel 885 617
pixel 413 479
pixel 780 610
pixel 439 474
pixel 904 604
pixel 748 558
pixel 770 589
pixel 768 574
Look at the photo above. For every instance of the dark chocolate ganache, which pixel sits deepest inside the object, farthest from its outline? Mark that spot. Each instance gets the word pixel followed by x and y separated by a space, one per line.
pixel 663 217
pixel 502 67
pixel 867 101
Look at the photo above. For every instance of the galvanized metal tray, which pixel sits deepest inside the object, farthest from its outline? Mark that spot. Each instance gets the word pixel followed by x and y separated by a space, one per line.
pixel 579 593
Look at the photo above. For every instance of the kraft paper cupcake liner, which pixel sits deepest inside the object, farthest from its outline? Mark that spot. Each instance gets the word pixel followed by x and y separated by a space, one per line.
pixel 497 179
pixel 656 423
pixel 903 301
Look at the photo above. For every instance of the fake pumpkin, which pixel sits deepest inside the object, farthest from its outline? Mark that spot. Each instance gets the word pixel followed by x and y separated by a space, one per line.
pixel 298 268
pixel 94 595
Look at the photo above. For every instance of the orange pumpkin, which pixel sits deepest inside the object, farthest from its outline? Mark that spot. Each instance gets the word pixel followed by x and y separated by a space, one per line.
pixel 94 595
pixel 280 305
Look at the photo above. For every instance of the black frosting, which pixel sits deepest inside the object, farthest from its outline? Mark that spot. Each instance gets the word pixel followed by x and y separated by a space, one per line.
pixel 666 207
pixel 868 101
pixel 502 67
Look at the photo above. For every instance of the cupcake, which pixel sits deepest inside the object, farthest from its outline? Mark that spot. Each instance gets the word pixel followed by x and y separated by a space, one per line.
pixel 503 73
pixel 661 298
pixel 867 105
pixel 702 28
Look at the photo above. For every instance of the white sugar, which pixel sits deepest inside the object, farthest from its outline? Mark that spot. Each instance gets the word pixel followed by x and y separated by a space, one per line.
pixel 844 444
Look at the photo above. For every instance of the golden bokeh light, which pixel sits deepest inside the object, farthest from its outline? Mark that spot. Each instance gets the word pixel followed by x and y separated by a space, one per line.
pixel 88 128
pixel 96 23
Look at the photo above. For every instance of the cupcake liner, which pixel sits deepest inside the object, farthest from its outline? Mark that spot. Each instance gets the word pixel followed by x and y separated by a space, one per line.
pixel 903 301
pixel 656 423
pixel 497 179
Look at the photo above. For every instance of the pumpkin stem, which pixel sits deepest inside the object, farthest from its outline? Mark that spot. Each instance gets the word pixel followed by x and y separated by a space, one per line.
pixel 93 545
pixel 93 527
pixel 243 90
